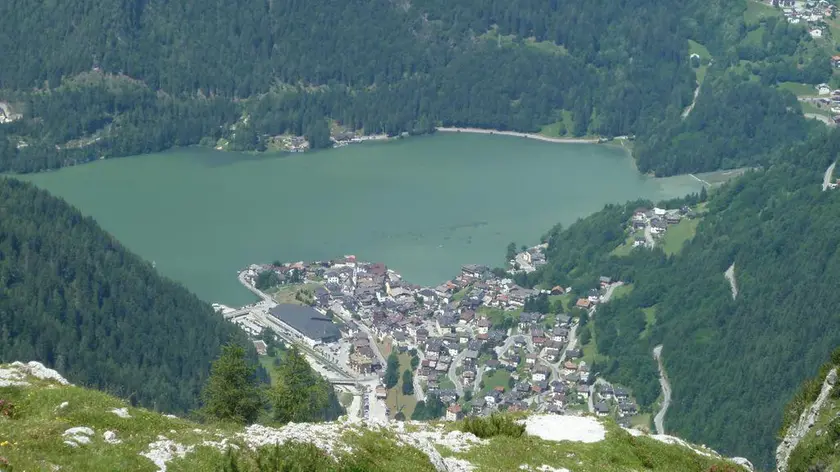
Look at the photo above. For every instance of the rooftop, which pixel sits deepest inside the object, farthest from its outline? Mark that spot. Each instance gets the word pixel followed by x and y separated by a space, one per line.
pixel 307 320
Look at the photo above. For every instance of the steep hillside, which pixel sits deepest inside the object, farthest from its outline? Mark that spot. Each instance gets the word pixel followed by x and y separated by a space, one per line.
pixel 47 424
pixel 732 363
pixel 72 297
pixel 811 431
pixel 128 77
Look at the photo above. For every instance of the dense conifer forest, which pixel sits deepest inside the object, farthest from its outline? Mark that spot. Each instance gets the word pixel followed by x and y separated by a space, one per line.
pixel 111 78
pixel 732 363
pixel 73 298
pixel 130 77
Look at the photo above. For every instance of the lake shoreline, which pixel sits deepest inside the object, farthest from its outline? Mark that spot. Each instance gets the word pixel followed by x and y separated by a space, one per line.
pixel 517 134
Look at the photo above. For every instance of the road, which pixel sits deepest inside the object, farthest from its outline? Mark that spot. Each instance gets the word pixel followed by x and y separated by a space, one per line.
pixel 659 419
pixel 342 313
pixel 570 345
pixel 829 173
pixel 649 237
pixel 419 394
pixel 479 374
pixel 453 374
pixel 610 289
pixel 263 296
pixel 512 339
pixel 818 117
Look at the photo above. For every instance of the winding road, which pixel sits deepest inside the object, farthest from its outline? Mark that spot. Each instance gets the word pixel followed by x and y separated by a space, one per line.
pixel 453 374
pixel 659 419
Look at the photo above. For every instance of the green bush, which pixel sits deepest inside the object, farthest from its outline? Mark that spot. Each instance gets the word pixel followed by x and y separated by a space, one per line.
pixel 494 425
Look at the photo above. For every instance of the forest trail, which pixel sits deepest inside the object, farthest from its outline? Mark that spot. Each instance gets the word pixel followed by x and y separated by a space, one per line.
pixel 730 276
pixel 659 419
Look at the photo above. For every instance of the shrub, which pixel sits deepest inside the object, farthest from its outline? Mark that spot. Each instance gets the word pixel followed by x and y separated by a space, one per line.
pixel 494 425
pixel 7 409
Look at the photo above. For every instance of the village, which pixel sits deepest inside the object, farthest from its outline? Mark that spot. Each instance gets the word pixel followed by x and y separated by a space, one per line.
pixel 339 138
pixel 474 346
pixel 648 225
pixel 812 13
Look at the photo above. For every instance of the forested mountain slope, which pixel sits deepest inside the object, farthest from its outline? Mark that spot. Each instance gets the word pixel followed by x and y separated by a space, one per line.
pixel 72 297
pixel 111 77
pixel 733 364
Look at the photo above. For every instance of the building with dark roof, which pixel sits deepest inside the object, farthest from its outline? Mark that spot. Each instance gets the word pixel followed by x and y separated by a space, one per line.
pixel 308 322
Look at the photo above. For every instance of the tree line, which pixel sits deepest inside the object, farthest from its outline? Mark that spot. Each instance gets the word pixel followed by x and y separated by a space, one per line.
pixel 73 298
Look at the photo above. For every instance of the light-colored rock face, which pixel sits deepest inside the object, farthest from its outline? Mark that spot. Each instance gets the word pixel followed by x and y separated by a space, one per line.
pixel 78 436
pixel 110 437
pixel 121 412
pixel 15 375
pixel 164 450
pixel 797 431
pixel 565 428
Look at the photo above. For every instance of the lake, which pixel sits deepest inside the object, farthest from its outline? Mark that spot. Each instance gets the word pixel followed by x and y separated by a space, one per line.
pixel 424 206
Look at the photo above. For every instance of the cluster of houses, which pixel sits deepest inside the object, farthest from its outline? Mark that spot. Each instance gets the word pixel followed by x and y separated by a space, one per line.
pixel 529 260
pixel 811 13
pixel 648 224
pixel 343 138
pixel 292 143
pixel 829 97
pixel 450 327
pixel 7 115
pixel 615 401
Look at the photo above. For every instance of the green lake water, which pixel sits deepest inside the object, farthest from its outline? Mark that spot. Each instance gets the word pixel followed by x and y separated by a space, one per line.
pixel 424 206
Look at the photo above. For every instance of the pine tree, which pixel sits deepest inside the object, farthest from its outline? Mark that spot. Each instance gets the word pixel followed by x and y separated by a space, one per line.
pixel 231 393
pixel 392 372
pixel 299 396
pixel 408 383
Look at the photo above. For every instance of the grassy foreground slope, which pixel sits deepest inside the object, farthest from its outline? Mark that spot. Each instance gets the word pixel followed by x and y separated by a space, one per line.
pixel 46 423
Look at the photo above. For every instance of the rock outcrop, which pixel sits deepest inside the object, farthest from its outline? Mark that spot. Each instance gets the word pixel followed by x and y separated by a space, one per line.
pixel 806 421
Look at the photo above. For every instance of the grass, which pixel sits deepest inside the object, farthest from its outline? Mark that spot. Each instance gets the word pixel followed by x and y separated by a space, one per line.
pixel 619 452
pixel 497 316
pixel 32 440
pixel 548 47
pixel 757 11
pixel 565 299
pixel 563 127
pixel 641 422
pixel 800 90
pixel 268 364
pixel 590 351
pixel 808 107
pixel 35 435
pixel 678 234
pixel 288 293
pixel 622 291
pixel 445 383
pixel 625 248
pixel 460 294
pixel 396 400
pixel 492 426
pixel 696 48
pixel 495 378
pixel 650 320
